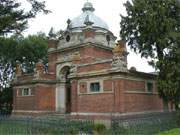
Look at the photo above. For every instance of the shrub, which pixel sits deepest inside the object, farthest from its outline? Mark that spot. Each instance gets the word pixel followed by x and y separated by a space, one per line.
pixel 99 128
pixel 178 116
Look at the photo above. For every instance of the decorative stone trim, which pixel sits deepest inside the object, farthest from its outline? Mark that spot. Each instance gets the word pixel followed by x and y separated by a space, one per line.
pixel 97 62
pixel 93 93
pixel 35 82
pixel 30 94
pixel 94 80
pixel 114 113
pixel 30 111
pixel 76 46
pixel 59 67
pixel 51 50
pixel 129 78
pixel 140 92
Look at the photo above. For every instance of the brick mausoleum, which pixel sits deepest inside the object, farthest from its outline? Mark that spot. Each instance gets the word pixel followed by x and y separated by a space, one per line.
pixel 87 75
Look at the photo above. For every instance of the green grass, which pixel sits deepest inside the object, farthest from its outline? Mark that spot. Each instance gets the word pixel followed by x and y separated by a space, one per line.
pixel 9 127
pixel 175 131
pixel 51 126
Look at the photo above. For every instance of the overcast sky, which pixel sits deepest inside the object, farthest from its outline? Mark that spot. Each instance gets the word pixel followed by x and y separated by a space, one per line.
pixel 108 10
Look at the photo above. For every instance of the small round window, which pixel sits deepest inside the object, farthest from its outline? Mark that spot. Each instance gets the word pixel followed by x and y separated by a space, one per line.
pixel 108 38
pixel 68 38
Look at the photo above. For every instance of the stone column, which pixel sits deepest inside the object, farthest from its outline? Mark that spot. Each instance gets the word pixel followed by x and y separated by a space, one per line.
pixel 61 97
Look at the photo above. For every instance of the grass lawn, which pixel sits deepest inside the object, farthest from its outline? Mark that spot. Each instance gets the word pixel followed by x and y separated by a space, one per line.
pixel 175 131
pixel 12 127
pixel 55 126
pixel 19 128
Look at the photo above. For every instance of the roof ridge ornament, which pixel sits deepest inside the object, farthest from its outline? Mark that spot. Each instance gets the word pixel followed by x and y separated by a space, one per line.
pixel 88 7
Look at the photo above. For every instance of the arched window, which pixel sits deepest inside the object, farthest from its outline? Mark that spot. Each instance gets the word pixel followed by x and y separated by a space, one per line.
pixel 68 38
pixel 108 38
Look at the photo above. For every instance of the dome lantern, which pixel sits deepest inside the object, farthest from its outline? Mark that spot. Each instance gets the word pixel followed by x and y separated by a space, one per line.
pixel 88 7
pixel 88 10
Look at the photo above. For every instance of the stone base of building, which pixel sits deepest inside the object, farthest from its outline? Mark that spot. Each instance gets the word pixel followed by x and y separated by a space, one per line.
pixel 89 115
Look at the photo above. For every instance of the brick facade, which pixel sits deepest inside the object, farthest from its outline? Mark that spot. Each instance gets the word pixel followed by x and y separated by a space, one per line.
pixel 120 92
pixel 87 74
pixel 42 98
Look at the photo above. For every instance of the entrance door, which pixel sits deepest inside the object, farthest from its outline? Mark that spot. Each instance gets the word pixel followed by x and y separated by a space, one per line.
pixel 68 97
pixel 64 73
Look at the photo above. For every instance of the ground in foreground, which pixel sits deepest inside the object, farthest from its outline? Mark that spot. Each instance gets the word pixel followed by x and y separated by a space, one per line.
pixel 175 131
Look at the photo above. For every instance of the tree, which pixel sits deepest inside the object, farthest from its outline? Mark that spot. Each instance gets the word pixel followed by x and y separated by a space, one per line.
pixel 151 28
pixel 31 49
pixel 171 85
pixel 27 51
pixel 8 56
pixel 6 100
pixel 14 19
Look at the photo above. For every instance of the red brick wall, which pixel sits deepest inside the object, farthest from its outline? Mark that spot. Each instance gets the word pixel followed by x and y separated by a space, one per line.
pixel 83 87
pixel 42 100
pixel 52 43
pixel 119 95
pixel 48 76
pixel 45 97
pixel 27 77
pixel 107 85
pixel 23 102
pixel 88 34
pixel 119 100
pixel 74 98
pixel 131 85
pixel 95 53
pixel 95 102
pixel 142 102
pixel 94 67
pixel 52 59
pixel 137 102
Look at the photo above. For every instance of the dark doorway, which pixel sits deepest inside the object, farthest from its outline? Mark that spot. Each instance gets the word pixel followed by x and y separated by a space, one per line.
pixel 68 97
pixel 65 72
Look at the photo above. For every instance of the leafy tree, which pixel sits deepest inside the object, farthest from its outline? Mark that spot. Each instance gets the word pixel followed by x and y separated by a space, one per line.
pixel 31 49
pixel 14 19
pixel 27 51
pixel 171 84
pixel 8 56
pixel 6 100
pixel 151 28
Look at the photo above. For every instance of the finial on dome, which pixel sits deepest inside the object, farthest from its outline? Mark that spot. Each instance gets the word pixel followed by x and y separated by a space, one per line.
pixel 88 7
pixel 68 23
pixel 87 21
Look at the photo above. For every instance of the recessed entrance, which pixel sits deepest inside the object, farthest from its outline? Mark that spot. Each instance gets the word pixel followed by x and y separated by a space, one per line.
pixel 65 71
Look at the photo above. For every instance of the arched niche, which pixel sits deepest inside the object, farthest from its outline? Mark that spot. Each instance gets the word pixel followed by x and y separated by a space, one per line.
pixel 62 70
pixel 63 89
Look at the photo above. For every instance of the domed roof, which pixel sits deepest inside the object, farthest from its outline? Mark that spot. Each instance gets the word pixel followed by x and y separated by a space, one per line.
pixel 88 10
